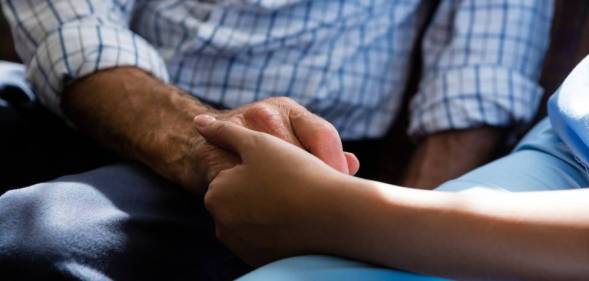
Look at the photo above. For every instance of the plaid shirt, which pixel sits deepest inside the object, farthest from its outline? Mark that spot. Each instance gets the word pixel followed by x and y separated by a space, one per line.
pixel 346 60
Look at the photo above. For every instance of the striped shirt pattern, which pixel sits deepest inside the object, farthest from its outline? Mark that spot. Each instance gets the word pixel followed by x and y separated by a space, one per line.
pixel 346 60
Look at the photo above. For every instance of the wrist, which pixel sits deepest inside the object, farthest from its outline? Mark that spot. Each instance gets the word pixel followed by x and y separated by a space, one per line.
pixel 342 205
pixel 139 117
pixel 172 145
pixel 384 224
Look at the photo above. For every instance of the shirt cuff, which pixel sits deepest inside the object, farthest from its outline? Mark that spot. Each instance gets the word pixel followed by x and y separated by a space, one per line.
pixel 472 97
pixel 74 51
pixel 13 75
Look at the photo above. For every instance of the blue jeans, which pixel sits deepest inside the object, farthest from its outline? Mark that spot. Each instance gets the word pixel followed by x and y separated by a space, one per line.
pixel 540 162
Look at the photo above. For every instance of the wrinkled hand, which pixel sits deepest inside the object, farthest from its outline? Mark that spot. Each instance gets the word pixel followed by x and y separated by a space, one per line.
pixel 273 204
pixel 289 121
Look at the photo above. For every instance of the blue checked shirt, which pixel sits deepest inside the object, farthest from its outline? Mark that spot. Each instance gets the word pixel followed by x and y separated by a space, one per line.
pixel 346 60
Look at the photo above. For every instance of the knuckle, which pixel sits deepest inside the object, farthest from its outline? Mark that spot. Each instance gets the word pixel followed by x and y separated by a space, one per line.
pixel 328 128
pixel 268 119
pixel 326 131
pixel 238 119
pixel 217 129
pixel 221 128
pixel 258 140
pixel 260 112
pixel 255 139
pixel 285 101
pixel 258 107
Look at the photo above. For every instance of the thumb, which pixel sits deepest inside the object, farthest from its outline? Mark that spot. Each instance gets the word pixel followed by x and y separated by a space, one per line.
pixel 223 134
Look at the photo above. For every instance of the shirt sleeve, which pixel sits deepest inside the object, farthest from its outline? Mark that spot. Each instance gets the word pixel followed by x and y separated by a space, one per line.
pixel 12 75
pixel 63 40
pixel 481 63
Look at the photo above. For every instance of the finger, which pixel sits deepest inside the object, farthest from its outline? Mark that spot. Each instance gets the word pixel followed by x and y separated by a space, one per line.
pixel 320 138
pixel 223 133
pixel 263 118
pixel 353 163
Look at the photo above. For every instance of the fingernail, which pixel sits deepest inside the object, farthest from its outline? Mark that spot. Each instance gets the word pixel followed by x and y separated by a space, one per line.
pixel 203 120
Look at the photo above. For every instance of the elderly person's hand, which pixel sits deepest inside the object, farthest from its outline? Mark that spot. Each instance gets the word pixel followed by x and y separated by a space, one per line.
pixel 291 122
pixel 144 119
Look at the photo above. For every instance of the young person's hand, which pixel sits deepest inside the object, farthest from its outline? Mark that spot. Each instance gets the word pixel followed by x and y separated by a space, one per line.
pixel 274 203
pixel 287 120
pixel 281 201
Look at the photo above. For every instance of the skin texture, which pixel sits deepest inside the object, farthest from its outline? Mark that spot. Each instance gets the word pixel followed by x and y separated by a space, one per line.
pixel 143 119
pixel 447 155
pixel 282 201
pixel 146 120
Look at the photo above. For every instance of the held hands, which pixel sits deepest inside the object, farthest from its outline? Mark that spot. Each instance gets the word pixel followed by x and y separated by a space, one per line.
pixel 289 121
pixel 273 203
pixel 152 122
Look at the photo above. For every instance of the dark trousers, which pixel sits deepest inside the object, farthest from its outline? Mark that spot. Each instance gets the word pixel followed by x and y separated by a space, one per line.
pixel 115 221
pixel 37 146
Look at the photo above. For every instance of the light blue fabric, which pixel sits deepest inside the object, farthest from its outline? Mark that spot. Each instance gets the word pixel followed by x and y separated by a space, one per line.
pixel 540 162
pixel 568 109
pixel 328 268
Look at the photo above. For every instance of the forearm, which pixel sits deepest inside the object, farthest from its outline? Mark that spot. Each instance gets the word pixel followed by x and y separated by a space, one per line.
pixel 530 236
pixel 140 117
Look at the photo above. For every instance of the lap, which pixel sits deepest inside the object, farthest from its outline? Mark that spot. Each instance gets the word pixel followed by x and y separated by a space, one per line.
pixel 119 222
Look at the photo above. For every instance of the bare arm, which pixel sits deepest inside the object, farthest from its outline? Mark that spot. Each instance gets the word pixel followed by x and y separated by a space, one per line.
pixel 523 236
pixel 143 119
pixel 265 209
pixel 115 100
pixel 146 120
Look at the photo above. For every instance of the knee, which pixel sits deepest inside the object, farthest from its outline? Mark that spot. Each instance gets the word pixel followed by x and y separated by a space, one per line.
pixel 53 222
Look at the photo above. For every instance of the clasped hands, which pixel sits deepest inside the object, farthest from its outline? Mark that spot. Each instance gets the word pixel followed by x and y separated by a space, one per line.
pixel 285 159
